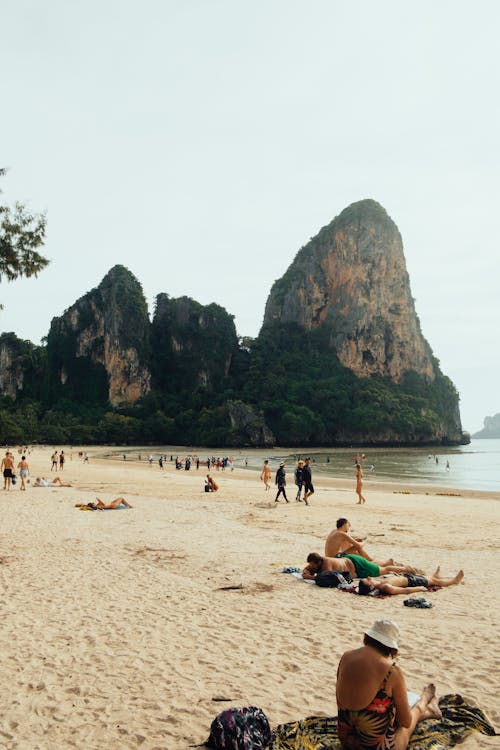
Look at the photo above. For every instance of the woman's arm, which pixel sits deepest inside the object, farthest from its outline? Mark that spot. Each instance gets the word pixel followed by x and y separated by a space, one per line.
pixel 400 696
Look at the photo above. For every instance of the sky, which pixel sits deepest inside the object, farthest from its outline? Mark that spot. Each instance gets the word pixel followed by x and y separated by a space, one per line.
pixel 201 143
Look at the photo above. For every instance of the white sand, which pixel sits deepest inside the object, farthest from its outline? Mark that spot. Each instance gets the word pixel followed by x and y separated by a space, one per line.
pixel 114 633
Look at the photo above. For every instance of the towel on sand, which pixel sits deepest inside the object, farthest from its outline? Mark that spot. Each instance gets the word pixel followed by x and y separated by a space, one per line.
pixel 459 719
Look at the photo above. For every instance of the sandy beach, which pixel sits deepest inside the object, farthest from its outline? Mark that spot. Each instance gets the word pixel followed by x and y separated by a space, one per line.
pixel 117 631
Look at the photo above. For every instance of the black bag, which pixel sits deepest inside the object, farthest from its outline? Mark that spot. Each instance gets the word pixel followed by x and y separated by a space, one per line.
pixel 240 729
pixel 332 578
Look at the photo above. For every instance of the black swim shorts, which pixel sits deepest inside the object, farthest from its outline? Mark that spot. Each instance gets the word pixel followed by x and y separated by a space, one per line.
pixel 414 580
pixel 7 473
pixel 308 487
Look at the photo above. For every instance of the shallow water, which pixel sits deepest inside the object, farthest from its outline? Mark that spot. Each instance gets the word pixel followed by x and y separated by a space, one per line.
pixel 473 467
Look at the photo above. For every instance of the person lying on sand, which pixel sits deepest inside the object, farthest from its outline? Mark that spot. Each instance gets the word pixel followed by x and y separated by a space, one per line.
pixel 120 502
pixel 340 543
pixel 357 566
pixel 56 482
pixel 408 583
pixel 372 700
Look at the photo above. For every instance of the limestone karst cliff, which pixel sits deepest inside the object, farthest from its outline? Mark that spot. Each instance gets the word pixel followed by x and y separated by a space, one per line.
pixel 351 279
pixel 15 361
pixel 193 345
pixel 340 359
pixel 99 348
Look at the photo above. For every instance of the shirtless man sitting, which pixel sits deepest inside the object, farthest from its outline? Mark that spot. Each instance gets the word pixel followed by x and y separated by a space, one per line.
pixel 407 583
pixel 340 543
pixel 356 565
pixel 56 482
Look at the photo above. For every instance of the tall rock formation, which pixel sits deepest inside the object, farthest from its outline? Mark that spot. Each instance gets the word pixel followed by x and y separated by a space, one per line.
pixel 99 348
pixel 193 345
pixel 352 279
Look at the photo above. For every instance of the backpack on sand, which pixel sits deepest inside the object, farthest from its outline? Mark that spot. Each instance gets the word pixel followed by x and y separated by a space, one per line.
pixel 332 578
pixel 240 729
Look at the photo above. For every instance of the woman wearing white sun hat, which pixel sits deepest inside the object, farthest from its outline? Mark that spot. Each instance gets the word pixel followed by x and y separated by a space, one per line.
pixel 372 699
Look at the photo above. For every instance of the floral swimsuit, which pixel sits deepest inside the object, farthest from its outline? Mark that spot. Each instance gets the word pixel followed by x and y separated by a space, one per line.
pixel 370 728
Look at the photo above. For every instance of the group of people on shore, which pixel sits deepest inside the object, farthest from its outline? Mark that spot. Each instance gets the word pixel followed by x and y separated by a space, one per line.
pixel 302 478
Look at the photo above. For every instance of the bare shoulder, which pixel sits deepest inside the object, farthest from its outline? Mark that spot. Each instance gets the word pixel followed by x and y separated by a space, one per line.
pixel 397 677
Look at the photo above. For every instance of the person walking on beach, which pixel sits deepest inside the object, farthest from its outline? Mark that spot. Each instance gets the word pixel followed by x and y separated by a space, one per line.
pixel 54 460
pixel 372 698
pixel 62 459
pixel 7 468
pixel 281 482
pixel 266 474
pixel 298 480
pixel 359 484
pixel 24 468
pixel 307 480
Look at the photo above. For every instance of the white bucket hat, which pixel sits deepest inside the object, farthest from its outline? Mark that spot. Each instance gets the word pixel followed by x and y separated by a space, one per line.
pixel 384 631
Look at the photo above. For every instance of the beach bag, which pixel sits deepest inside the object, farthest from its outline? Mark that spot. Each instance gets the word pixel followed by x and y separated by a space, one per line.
pixel 13 479
pixel 332 579
pixel 240 729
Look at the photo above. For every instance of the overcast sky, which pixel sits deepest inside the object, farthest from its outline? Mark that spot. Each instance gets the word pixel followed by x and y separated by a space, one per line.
pixel 201 143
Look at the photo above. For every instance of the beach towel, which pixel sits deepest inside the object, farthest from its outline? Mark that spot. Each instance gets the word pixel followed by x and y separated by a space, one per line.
pixel 459 719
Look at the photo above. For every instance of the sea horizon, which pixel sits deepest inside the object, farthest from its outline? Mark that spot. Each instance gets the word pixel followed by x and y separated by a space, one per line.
pixel 475 466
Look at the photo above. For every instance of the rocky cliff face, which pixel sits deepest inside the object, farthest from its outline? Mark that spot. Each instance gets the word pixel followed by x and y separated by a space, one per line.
pixel 12 365
pixel 248 427
pixel 102 341
pixel 352 279
pixel 193 345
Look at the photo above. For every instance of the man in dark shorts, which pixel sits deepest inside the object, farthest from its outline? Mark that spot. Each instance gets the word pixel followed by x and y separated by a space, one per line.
pixel 307 480
pixel 7 469
pixel 408 583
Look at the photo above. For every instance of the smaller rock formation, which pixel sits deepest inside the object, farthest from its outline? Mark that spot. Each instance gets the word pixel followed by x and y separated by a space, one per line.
pixel 193 345
pixel 12 365
pixel 248 427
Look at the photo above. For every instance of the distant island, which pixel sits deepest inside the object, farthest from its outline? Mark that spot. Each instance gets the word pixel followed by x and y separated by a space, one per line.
pixel 491 428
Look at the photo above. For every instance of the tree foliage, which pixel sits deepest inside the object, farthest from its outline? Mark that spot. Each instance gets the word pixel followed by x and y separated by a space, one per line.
pixel 21 234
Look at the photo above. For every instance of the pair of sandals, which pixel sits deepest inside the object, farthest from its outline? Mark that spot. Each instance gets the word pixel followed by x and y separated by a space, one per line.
pixel 419 603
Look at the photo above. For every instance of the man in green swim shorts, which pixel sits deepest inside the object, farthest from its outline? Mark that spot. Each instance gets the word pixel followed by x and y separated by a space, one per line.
pixel 356 565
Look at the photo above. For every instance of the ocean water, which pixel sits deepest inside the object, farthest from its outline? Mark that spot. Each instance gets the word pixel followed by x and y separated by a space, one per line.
pixel 474 467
